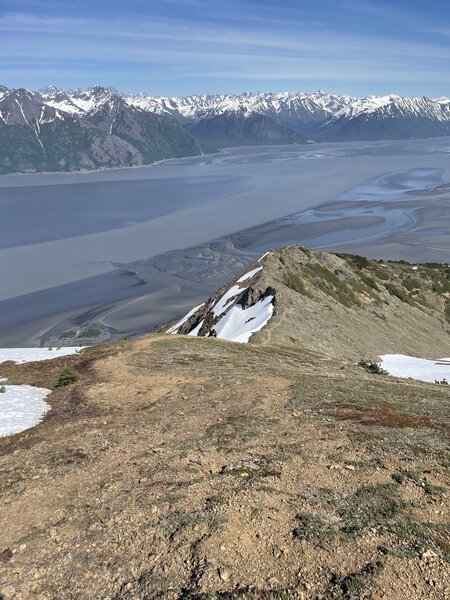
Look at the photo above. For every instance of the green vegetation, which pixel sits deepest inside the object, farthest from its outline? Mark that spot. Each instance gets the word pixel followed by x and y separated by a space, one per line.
pixel 91 332
pixel 420 480
pixel 330 283
pixel 369 281
pixel 296 283
pixel 71 333
pixel 447 311
pixel 66 377
pixel 394 290
pixel 412 284
pixel 360 262
pixel 372 367
pixel 356 582
pixel 312 527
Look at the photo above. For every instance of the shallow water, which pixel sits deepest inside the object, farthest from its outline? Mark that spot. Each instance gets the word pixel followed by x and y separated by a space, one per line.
pixel 110 246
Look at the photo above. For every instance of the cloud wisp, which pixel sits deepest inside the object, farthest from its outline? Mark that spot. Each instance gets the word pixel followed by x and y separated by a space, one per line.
pixel 197 50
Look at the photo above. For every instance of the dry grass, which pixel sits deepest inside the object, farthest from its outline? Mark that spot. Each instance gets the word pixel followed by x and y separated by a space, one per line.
pixel 194 468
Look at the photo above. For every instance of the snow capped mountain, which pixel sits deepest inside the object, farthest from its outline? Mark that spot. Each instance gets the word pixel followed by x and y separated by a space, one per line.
pixel 318 115
pixel 22 107
pixel 64 131
pixel 394 105
pixel 391 116
pixel 290 109
pixel 100 126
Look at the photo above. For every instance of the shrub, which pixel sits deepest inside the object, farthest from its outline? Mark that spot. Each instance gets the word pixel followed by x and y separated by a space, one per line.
pixel 412 284
pixel 66 377
pixel 396 291
pixel 91 332
pixel 447 311
pixel 372 367
pixel 2 389
pixel 360 262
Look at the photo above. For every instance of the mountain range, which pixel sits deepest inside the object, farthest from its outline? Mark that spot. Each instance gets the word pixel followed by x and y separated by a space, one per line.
pixel 64 130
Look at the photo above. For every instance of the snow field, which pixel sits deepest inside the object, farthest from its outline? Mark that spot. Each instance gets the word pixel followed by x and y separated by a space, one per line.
pixel 422 369
pixel 25 355
pixel 21 407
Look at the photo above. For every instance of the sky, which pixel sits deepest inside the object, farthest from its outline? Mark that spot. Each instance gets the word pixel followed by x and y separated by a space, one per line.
pixel 182 47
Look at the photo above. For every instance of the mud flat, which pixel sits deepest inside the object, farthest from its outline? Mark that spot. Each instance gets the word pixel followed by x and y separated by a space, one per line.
pixel 124 250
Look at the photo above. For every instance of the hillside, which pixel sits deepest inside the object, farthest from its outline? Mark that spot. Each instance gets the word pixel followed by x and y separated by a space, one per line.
pixel 340 305
pixel 236 128
pixel 181 466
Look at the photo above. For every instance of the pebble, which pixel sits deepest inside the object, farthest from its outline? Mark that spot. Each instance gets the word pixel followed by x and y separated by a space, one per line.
pixel 428 554
pixel 224 574
pixel 350 467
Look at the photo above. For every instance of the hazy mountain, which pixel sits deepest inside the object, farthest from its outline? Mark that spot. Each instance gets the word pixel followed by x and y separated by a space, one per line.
pixel 155 136
pixel 37 137
pixel 56 129
pixel 238 128
pixel 318 115
pixel 392 116
pixel 297 111
pixel 59 130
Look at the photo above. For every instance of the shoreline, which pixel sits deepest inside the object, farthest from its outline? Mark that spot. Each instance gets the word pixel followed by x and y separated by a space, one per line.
pixel 142 276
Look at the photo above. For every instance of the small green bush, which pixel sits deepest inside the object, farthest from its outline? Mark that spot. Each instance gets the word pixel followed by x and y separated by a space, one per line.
pixel 91 332
pixel 412 284
pixel 394 290
pixel 372 367
pixel 66 377
pixel 360 262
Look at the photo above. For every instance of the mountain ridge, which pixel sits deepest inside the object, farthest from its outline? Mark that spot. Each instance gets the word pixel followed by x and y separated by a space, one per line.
pixel 274 469
pixel 340 305
pixel 107 128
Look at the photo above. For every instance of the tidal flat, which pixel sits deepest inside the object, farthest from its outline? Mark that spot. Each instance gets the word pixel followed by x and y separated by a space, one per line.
pixel 120 251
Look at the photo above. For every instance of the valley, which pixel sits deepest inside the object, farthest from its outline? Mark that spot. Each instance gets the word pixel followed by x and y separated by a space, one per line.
pixel 103 258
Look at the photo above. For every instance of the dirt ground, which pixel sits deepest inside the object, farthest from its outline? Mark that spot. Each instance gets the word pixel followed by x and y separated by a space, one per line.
pixel 180 467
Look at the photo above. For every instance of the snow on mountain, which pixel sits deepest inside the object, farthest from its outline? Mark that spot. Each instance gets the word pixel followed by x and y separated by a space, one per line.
pixel 388 117
pixel 311 114
pixel 22 107
pixel 235 313
pixel 289 109
pixel 393 105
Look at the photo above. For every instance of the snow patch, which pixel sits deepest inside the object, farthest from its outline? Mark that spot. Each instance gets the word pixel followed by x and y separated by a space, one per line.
pixel 221 304
pixel 25 355
pixel 263 256
pixel 21 407
pixel 176 327
pixel 422 369
pixel 249 274
pixel 239 324
pixel 196 329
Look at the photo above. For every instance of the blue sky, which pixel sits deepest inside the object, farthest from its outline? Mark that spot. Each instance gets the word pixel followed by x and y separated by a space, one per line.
pixel 181 47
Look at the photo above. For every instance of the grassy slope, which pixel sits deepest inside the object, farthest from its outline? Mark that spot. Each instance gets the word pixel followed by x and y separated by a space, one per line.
pixel 178 467
pixel 348 306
